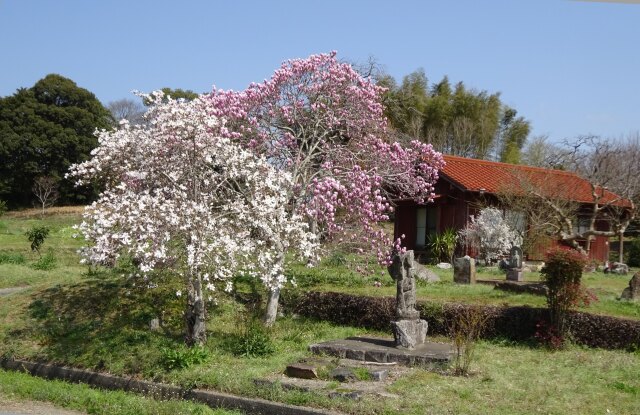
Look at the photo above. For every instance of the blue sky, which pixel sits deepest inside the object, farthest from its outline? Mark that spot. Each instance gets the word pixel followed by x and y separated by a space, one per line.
pixel 570 67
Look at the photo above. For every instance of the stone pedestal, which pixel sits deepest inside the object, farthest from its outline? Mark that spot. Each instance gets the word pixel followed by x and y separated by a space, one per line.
pixel 464 270
pixel 515 274
pixel 409 333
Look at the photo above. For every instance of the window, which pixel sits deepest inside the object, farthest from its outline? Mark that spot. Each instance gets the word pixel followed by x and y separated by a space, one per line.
pixel 426 225
pixel 421 227
pixel 581 225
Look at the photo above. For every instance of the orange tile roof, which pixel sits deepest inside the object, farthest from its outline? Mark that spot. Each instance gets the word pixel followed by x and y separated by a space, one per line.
pixel 494 177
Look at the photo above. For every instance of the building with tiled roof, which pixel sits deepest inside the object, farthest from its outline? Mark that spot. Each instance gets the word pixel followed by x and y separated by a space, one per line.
pixel 493 177
pixel 466 184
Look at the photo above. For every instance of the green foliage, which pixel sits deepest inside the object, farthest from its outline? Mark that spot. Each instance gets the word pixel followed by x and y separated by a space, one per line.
pixel 442 245
pixel 562 274
pixel 633 252
pixel 456 120
pixel 178 93
pixel 43 130
pixel 37 235
pixel 514 131
pixel 254 339
pixel 183 357
pixel 46 262
pixel 464 330
pixel 11 258
pixel 336 259
pixel 3 207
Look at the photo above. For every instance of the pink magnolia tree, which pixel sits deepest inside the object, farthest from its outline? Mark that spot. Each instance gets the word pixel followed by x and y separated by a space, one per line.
pixel 179 196
pixel 323 123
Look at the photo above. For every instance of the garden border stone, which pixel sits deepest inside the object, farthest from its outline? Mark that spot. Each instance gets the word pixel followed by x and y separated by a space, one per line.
pixel 159 390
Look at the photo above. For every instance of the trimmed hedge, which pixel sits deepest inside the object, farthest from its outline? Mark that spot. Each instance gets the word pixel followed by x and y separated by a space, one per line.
pixel 513 323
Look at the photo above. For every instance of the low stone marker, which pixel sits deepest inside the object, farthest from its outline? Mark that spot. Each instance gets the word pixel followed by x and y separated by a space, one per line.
pixel 425 274
pixel 301 370
pixel 632 292
pixel 514 272
pixel 464 270
pixel 617 268
pixel 343 374
pixel 408 329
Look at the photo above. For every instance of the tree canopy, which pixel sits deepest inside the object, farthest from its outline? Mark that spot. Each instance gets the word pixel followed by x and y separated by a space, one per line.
pixel 43 130
pixel 453 118
pixel 323 123
pixel 179 197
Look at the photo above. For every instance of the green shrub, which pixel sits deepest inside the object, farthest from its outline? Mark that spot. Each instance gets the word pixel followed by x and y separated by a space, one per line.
pixel 46 262
pixel 443 245
pixel 517 324
pixel 464 330
pixel 254 340
pixel 37 235
pixel 562 274
pixel 183 357
pixel 633 252
pixel 11 258
pixel 3 207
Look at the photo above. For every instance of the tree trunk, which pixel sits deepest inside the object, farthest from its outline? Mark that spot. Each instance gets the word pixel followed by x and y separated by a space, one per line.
pixel 621 247
pixel 272 307
pixel 274 293
pixel 195 314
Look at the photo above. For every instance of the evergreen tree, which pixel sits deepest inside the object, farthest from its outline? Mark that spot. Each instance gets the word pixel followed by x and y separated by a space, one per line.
pixel 455 119
pixel 43 130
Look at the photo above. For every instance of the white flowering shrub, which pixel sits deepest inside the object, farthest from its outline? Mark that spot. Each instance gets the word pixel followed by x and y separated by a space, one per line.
pixel 179 196
pixel 490 234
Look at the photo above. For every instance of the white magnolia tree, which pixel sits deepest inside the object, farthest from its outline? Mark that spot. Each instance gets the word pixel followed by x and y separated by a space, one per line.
pixel 490 234
pixel 179 196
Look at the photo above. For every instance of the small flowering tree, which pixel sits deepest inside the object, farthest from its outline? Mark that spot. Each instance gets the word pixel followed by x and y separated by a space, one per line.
pixel 179 196
pixel 490 234
pixel 562 274
pixel 323 123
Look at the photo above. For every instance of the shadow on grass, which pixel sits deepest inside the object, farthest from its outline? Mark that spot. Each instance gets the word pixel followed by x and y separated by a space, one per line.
pixel 104 323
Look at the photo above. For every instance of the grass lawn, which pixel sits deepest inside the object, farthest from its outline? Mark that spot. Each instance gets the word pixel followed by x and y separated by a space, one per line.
pixel 98 320
pixel 336 274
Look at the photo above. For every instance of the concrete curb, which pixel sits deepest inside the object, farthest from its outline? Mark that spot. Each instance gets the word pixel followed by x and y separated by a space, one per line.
pixel 159 390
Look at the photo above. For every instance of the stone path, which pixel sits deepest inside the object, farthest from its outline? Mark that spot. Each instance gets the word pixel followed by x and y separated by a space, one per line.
pixel 11 290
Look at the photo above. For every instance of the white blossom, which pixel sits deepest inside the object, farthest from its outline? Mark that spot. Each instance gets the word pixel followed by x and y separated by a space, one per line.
pixel 490 234
pixel 177 195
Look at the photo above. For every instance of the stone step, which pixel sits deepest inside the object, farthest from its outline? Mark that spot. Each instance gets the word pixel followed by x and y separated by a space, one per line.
pixel 429 355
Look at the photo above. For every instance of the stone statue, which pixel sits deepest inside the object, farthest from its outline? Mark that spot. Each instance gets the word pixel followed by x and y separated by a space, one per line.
pixel 516 257
pixel 408 329
pixel 515 260
pixel 402 271
pixel 514 272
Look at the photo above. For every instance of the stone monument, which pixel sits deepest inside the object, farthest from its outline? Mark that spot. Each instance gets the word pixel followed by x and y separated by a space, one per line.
pixel 632 292
pixel 514 272
pixel 464 270
pixel 408 329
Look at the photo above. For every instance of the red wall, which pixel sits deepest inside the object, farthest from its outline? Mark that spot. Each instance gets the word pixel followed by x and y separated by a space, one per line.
pixel 454 208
